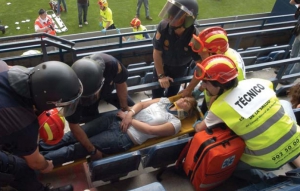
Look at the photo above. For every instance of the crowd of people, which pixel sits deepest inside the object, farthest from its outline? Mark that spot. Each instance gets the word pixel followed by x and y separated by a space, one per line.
pixel 76 91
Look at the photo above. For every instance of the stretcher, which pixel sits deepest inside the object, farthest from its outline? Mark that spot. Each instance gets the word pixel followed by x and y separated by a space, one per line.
pixel 59 24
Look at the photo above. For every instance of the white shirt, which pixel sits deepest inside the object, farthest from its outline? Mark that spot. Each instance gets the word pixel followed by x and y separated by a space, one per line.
pixel 155 114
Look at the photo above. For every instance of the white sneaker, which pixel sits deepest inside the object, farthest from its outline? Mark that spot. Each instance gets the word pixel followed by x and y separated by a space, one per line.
pixel 86 23
pixel 80 26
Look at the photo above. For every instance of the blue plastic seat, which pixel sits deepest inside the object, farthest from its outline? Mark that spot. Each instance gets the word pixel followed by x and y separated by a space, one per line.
pixel 115 167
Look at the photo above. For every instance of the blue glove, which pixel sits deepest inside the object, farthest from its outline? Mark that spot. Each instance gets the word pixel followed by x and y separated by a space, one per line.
pixel 198 121
pixel 129 39
pixel 118 31
pixel 196 94
pixel 100 24
pixel 103 30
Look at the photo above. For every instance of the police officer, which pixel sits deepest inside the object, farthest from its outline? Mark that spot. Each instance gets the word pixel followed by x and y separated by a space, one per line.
pixel 251 109
pixel 100 74
pixel 48 85
pixel 171 53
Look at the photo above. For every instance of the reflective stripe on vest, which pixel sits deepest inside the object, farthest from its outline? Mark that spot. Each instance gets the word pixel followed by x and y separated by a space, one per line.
pixel 271 137
pixel 236 57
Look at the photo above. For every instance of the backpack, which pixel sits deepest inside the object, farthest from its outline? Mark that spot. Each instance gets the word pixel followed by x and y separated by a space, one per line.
pixel 211 156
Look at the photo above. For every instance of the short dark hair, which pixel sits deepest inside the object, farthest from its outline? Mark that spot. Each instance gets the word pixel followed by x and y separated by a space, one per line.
pixel 41 11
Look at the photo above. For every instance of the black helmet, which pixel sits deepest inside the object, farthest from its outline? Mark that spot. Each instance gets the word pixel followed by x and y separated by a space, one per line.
pixel 90 72
pixel 54 84
pixel 183 12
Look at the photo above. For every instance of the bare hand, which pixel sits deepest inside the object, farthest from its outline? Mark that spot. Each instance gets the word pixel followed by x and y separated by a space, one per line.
pixel 126 120
pixel 97 156
pixel 49 167
pixel 165 81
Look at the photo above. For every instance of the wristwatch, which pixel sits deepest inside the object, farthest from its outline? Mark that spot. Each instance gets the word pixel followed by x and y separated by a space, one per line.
pixel 93 152
pixel 160 76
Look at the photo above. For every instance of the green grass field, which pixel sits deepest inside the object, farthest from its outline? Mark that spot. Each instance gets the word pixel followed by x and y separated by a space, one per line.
pixel 123 12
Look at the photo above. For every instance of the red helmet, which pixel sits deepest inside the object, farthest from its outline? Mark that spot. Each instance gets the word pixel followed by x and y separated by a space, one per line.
pixel 135 22
pixel 103 3
pixel 216 68
pixel 212 40
pixel 51 126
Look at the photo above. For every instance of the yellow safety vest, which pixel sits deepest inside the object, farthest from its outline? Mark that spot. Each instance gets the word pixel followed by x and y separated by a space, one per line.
pixel 253 112
pixel 106 17
pixel 139 36
pixel 238 60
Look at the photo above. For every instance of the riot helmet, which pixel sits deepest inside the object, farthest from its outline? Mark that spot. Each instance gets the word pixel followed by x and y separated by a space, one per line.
pixel 90 72
pixel 54 84
pixel 180 13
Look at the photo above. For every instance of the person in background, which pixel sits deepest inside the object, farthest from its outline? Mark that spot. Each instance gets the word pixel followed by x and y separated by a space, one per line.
pixel 82 6
pixel 58 7
pixel 137 26
pixel 119 131
pixel 212 41
pixel 251 109
pixel 44 23
pixel 24 92
pixel 172 54
pixel 106 16
pixel 295 52
pixel 146 5
pixel 100 74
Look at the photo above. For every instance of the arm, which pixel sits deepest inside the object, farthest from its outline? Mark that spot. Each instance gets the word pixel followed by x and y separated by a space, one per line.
pixel 189 89
pixel 122 95
pixel 38 29
pixel 80 136
pixel 200 126
pixel 127 118
pixel 37 161
pixel 165 129
pixel 158 64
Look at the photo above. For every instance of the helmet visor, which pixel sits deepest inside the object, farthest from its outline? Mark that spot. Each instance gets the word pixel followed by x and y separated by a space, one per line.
pixel 68 108
pixel 90 99
pixel 196 44
pixel 199 72
pixel 175 13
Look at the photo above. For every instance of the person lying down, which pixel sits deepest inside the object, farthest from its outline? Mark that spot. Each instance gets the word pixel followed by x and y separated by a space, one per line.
pixel 119 131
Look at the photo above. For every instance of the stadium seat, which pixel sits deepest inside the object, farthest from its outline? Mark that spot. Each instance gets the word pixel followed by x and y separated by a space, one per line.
pixel 155 186
pixel 134 80
pixel 115 167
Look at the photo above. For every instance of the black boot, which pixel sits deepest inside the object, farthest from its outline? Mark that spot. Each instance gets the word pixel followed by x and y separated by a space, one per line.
pixel 2 28
pixel 62 188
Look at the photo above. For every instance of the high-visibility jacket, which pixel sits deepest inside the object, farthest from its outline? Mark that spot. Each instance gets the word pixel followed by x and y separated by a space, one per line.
pixel 42 24
pixel 254 113
pixel 106 16
pixel 239 62
pixel 139 36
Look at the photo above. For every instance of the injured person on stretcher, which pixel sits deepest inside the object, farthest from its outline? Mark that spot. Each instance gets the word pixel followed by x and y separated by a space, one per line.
pixel 119 131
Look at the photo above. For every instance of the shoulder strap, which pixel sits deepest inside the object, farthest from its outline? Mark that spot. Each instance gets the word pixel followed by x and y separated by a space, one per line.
pixel 183 155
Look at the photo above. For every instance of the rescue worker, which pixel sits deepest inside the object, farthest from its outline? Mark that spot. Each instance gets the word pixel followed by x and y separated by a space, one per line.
pixel 171 53
pixel 100 74
pixel 44 23
pixel 106 16
pixel 251 109
pixel 22 92
pixel 137 26
pixel 212 41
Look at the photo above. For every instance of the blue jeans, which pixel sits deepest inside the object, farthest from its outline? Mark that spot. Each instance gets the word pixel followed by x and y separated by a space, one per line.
pixel 295 52
pixel 24 178
pixel 146 5
pixel 82 8
pixel 58 5
pixel 104 133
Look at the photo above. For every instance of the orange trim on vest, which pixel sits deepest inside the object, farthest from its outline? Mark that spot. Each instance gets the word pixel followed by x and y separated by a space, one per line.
pixel 42 25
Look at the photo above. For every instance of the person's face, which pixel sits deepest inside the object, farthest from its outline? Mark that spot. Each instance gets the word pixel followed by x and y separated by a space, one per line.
pixel 185 103
pixel 43 16
pixel 211 90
